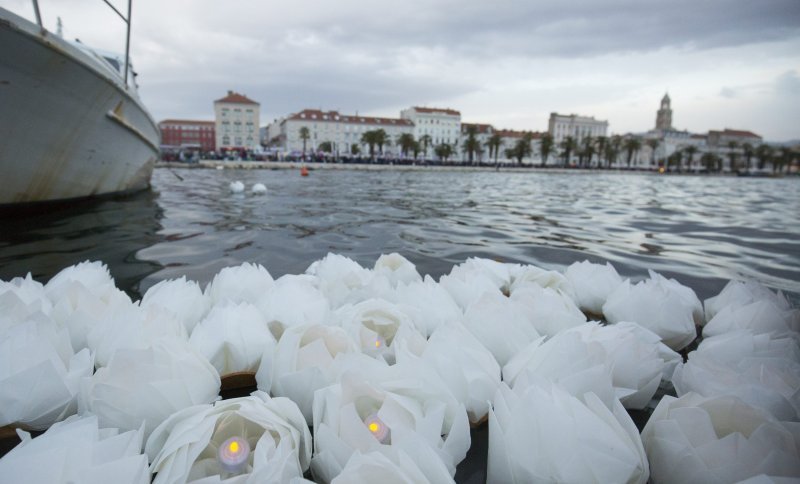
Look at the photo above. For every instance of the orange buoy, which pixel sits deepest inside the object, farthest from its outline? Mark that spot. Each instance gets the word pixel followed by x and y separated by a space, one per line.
pixel 303 171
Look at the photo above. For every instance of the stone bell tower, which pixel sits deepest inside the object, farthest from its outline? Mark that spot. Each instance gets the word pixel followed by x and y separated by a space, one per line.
pixel 664 115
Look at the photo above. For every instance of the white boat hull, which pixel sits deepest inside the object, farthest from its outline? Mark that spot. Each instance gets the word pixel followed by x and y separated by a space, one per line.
pixel 67 128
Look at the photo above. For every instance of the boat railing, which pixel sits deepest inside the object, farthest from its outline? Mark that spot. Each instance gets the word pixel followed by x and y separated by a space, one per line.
pixel 125 19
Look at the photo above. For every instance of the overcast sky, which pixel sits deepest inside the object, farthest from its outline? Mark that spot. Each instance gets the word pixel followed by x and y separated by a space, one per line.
pixel 725 63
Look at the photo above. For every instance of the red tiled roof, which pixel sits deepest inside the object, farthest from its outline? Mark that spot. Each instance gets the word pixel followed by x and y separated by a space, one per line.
pixel 235 97
pixel 186 121
pixel 449 111
pixel 334 116
pixel 482 128
pixel 736 132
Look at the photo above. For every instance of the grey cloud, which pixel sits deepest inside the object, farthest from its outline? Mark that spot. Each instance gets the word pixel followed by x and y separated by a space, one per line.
pixel 573 29
pixel 788 84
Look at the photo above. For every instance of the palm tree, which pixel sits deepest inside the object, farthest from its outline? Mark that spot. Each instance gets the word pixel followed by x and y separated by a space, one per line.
pixel 522 148
pixel 444 151
pixel 354 149
pixel 732 154
pixel 416 149
pixel 784 158
pixel 632 145
pixel 601 142
pixel 305 136
pixel 675 158
pixel 588 149
pixel 406 143
pixel 615 146
pixel 494 143
pixel 764 154
pixel 749 151
pixel 567 147
pixel 326 147
pixel 426 141
pixel 690 152
pixel 381 139
pixel 545 147
pixel 710 160
pixel 471 144
pixel 653 144
pixel 368 138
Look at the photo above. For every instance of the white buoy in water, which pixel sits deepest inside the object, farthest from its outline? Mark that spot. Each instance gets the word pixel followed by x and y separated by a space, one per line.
pixel 236 186
pixel 258 189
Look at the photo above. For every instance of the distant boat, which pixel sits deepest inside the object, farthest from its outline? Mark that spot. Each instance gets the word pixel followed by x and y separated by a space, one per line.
pixel 71 122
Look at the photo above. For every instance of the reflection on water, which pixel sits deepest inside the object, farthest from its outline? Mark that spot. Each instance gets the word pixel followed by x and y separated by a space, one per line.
pixel 45 241
pixel 701 230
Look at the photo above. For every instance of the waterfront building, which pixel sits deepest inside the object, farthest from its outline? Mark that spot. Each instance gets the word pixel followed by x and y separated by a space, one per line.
pixel 664 114
pixel 561 126
pixel 722 139
pixel 177 134
pixel 442 125
pixel 342 131
pixel 509 139
pixel 236 122
pixel 482 133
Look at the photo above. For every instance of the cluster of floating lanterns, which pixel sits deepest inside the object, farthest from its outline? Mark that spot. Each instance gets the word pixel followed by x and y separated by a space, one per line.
pixel 390 369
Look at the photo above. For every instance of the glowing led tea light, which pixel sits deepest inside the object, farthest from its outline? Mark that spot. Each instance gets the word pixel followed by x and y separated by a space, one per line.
pixel 377 428
pixel 232 455
pixel 379 343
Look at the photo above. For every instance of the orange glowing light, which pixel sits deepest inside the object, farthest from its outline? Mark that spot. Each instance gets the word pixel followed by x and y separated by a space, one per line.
pixel 377 428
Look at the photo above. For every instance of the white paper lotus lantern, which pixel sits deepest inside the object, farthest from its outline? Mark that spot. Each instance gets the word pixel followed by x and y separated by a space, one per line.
pixel 549 310
pixel 303 362
pixel 576 365
pixel 531 275
pixel 181 298
pixel 761 316
pixel 397 269
pixel 294 301
pixel 148 385
pixel 377 326
pixel 544 434
pixel 661 305
pixel 132 327
pixel 468 283
pixel 638 359
pixel 39 375
pixel 83 296
pixel 742 293
pixel 233 337
pixel 342 280
pixel 405 406
pixel 467 368
pixel 717 439
pixel 746 367
pixel 243 283
pixel 248 439
pixel 389 466
pixel 500 324
pixel 21 298
pixel 77 450
pixel 429 305
pixel 592 284
pixel 500 273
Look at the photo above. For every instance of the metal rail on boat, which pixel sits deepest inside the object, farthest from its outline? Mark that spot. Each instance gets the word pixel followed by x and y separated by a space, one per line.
pixel 127 21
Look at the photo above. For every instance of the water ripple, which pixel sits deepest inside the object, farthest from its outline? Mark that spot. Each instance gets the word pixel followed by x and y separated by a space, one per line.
pixel 701 230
